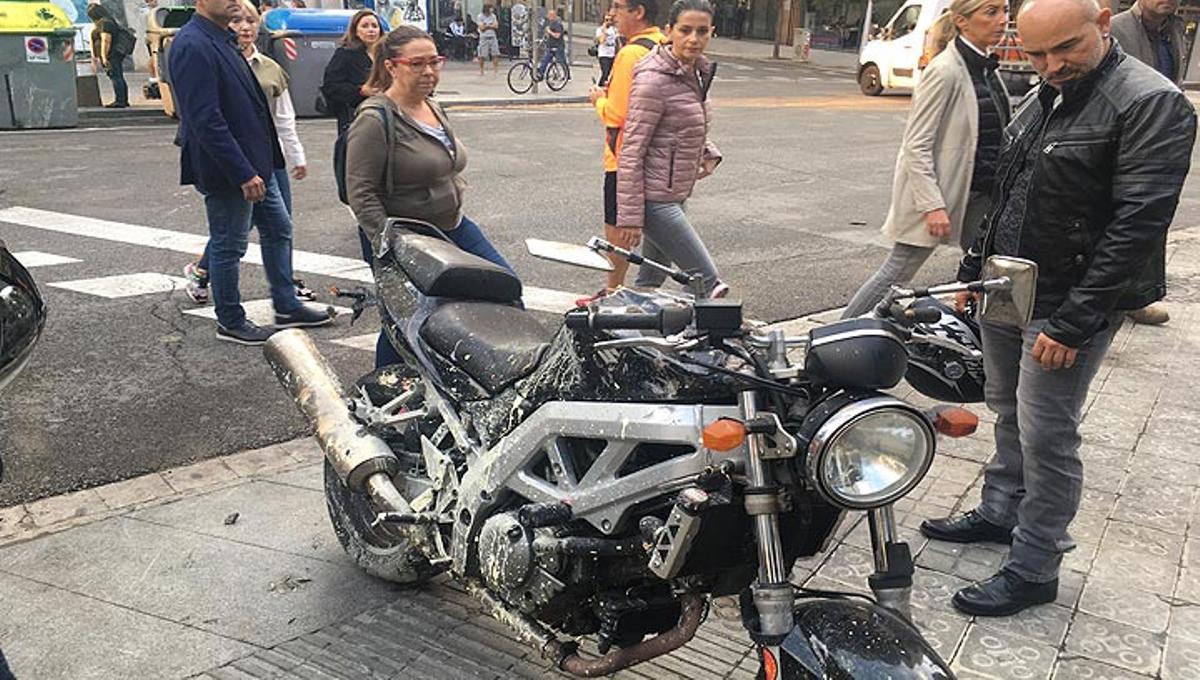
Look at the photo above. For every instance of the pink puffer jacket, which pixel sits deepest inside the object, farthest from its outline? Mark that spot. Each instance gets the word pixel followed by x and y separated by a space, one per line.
pixel 666 134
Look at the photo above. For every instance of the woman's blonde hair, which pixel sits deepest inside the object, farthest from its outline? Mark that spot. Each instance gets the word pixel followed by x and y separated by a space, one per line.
pixel 945 30
pixel 250 10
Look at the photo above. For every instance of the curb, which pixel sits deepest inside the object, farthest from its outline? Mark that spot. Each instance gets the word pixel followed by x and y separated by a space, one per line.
pixel 145 116
pixel 27 521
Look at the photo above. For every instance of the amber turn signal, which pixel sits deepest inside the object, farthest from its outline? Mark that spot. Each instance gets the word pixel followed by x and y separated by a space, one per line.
pixel 724 434
pixel 954 421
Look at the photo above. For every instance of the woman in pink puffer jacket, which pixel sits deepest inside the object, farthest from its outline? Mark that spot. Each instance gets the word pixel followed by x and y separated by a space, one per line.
pixel 666 147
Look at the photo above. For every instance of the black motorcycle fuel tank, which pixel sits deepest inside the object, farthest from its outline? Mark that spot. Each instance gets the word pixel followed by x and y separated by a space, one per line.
pixel 851 640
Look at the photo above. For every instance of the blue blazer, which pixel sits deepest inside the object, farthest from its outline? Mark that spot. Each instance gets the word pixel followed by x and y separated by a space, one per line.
pixel 225 125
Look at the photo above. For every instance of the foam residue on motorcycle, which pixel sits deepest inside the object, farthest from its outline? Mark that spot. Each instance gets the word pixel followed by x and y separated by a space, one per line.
pixel 573 370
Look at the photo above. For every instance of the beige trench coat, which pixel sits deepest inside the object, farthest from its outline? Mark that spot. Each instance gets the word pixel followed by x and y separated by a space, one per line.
pixel 937 154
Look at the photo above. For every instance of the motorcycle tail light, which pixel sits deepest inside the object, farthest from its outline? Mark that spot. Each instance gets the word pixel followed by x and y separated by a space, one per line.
pixel 954 421
pixel 723 435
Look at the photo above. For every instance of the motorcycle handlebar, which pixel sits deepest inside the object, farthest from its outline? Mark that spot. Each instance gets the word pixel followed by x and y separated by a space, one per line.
pixel 668 321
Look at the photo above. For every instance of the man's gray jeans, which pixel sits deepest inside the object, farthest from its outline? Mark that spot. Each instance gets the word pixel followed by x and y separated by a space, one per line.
pixel 1034 481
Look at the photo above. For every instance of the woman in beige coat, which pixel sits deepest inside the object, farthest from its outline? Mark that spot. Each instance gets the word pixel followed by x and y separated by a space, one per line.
pixel 951 147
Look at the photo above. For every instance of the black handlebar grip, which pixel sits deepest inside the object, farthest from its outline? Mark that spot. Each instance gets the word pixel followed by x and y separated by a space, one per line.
pixel 923 314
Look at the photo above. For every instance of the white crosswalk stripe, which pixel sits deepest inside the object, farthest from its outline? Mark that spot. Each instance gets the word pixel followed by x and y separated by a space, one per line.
pixel 363 342
pixel 537 299
pixel 34 258
pixel 124 285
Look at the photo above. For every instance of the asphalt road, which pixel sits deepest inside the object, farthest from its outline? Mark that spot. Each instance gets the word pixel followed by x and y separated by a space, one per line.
pixel 124 386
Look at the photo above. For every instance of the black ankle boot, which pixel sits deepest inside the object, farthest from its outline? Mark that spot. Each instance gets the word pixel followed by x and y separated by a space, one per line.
pixel 1003 594
pixel 966 528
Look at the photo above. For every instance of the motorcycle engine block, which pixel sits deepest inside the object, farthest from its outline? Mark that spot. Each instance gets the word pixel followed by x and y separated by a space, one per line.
pixel 512 568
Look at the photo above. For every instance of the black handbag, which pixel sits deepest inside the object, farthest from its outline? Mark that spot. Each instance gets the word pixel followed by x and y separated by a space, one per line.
pixel 594 51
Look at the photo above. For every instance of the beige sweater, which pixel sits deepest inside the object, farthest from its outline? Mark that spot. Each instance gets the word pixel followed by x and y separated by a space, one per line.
pixel 422 181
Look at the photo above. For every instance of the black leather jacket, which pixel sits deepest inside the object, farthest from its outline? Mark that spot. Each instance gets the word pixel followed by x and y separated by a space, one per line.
pixel 1114 156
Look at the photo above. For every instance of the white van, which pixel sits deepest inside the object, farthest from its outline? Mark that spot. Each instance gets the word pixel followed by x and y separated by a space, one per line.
pixel 892 58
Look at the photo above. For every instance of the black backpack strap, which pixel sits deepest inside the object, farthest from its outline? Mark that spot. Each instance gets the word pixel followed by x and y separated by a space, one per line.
pixel 645 42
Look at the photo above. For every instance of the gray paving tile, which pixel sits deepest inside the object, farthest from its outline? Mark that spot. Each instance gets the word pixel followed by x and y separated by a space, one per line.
pixel 1169 420
pixel 1153 574
pixel 1096 501
pixel 1188 587
pixel 276 516
pixel 1103 455
pixel 943 631
pixel 51 633
pixel 1046 624
pixel 1103 477
pixel 1120 601
pixel 1114 643
pixel 1086 669
pixel 1143 540
pixel 241 591
pixel 932 590
pixel 849 565
pixel 1169 516
pixel 308 477
pixel 1182 660
pixel 1149 467
pixel 1185 621
pixel 992 654
pixel 1174 448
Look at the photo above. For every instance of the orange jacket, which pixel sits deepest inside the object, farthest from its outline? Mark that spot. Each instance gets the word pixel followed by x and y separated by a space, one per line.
pixel 614 105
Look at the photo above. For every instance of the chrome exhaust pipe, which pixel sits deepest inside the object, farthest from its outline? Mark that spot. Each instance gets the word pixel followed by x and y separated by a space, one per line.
pixel 357 455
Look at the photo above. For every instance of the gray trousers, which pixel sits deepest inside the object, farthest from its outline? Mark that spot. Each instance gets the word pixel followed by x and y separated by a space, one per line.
pixel 906 260
pixel 668 238
pixel 1034 481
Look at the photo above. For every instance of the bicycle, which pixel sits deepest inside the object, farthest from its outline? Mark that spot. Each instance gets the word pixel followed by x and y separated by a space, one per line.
pixel 523 74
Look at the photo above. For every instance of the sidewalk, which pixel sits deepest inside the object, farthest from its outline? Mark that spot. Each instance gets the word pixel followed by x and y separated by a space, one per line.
pixel 839 63
pixel 229 569
pixel 461 85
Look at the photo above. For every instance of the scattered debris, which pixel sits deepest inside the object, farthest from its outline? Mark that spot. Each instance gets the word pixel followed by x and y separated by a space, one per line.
pixel 232 518
pixel 288 584
pixel 858 223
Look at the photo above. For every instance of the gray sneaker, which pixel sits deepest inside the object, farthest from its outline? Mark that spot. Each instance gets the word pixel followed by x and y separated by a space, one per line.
pixel 245 334
pixel 304 317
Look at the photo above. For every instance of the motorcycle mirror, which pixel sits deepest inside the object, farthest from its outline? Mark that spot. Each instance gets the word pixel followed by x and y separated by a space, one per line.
pixel 568 253
pixel 1010 305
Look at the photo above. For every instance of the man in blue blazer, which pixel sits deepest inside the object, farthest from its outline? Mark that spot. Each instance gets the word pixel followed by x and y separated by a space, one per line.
pixel 229 146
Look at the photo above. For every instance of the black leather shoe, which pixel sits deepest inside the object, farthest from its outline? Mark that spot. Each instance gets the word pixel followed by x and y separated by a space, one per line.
pixel 969 527
pixel 1003 594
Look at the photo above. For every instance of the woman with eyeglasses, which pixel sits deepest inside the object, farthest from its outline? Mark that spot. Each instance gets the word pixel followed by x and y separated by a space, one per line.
pixel 412 168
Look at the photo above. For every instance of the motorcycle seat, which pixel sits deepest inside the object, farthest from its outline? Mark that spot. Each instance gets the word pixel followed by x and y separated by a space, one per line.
pixel 439 268
pixel 496 345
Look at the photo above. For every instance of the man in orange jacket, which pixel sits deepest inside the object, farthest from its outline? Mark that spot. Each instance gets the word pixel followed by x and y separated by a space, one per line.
pixel 636 22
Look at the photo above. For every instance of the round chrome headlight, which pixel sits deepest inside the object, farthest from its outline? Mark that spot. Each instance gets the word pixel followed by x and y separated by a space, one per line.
pixel 870 453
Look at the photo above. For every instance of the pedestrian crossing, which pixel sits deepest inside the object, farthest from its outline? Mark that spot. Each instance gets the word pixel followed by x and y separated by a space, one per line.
pixel 132 285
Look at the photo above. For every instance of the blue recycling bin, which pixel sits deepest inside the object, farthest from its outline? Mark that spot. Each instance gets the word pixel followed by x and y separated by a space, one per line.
pixel 303 41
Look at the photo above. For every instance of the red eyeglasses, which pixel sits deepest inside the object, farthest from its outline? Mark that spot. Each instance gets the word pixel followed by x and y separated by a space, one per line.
pixel 435 63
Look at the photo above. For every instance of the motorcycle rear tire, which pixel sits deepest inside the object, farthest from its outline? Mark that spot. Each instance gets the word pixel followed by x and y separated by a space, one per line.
pixel 378 550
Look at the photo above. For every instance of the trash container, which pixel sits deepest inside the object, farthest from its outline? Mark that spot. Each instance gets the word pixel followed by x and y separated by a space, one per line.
pixel 161 27
pixel 37 60
pixel 303 41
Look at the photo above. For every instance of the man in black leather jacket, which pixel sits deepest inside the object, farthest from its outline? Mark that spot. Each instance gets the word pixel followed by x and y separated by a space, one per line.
pixel 1089 182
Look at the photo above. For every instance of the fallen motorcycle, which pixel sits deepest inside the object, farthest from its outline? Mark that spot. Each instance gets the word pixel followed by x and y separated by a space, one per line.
pixel 608 478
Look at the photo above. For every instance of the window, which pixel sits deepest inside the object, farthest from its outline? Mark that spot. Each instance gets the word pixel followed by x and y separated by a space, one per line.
pixel 906 21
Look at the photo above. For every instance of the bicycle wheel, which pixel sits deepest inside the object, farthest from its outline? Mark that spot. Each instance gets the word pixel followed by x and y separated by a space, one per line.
pixel 558 75
pixel 520 77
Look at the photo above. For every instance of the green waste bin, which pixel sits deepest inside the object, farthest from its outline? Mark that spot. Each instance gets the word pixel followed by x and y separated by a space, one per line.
pixel 37 60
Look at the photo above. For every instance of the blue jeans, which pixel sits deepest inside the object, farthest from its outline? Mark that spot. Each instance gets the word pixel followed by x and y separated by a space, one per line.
pixel 467 236
pixel 285 191
pixel 116 73
pixel 555 53
pixel 229 220
pixel 1035 480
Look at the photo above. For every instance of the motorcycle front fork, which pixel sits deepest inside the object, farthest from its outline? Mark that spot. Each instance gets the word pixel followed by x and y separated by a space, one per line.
pixel 772 594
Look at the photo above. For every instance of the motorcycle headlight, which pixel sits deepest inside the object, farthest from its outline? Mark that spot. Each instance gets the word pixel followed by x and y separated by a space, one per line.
pixel 871 452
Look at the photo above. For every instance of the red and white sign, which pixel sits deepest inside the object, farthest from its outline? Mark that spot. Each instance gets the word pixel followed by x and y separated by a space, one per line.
pixel 37 49
pixel 289 49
